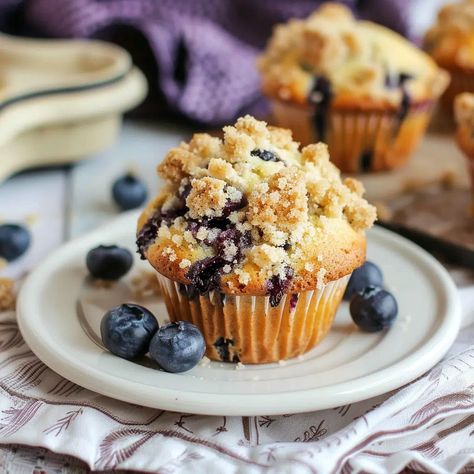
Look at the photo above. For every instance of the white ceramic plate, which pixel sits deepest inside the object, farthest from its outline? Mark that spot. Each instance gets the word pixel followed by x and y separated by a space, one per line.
pixel 346 367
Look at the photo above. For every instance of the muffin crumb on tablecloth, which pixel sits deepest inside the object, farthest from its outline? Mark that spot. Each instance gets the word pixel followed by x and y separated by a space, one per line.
pixel 7 294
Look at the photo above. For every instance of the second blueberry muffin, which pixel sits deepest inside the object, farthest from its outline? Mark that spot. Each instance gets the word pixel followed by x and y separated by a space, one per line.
pixel 361 88
pixel 254 240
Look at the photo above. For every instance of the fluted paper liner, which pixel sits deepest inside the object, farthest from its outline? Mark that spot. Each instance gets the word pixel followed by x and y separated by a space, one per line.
pixel 248 329
pixel 359 140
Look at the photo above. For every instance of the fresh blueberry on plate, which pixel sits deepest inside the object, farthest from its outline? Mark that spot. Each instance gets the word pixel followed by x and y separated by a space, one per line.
pixel 373 309
pixel 109 262
pixel 368 274
pixel 126 330
pixel 14 241
pixel 129 192
pixel 177 347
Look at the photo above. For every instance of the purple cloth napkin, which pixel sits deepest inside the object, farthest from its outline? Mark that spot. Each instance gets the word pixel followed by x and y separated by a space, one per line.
pixel 198 55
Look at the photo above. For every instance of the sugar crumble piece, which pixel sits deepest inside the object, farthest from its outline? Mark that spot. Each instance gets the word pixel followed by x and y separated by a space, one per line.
pixel 320 278
pixel 265 256
pixel 164 232
pixel 204 362
pixel 205 146
pixel 7 294
pixel 178 164
pixel 239 366
pixel 221 169
pixel 145 284
pixel 360 214
pixel 168 251
pixel 103 284
pixel 185 263
pixel 244 277
pixel 283 207
pixel 355 186
pixel 170 203
pixel 207 197
pixel 177 239
pixel 31 219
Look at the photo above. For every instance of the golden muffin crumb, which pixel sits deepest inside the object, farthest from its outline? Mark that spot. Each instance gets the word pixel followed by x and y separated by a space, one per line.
pixel 145 284
pixel 240 211
pixel 7 294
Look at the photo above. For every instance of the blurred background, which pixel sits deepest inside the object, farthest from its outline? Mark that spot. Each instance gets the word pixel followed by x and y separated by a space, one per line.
pixel 198 55
pixel 63 96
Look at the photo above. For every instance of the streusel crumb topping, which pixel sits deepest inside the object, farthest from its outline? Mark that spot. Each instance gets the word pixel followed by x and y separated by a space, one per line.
pixel 250 207
pixel 331 56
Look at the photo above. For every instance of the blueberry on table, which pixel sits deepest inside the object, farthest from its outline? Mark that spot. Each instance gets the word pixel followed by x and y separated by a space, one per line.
pixel 14 241
pixel 109 262
pixel 177 347
pixel 368 274
pixel 126 330
pixel 129 192
pixel 373 309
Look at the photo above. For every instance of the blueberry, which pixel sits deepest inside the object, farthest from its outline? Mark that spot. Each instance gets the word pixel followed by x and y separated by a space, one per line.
pixel 129 192
pixel 148 233
pixel 277 286
pixel 14 241
pixel 177 347
pixel 265 155
pixel 126 330
pixel 205 274
pixel 109 262
pixel 368 274
pixel 373 309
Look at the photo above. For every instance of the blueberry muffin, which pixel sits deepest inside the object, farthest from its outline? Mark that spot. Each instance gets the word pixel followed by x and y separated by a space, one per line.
pixel 451 44
pixel 254 240
pixel 464 112
pixel 358 86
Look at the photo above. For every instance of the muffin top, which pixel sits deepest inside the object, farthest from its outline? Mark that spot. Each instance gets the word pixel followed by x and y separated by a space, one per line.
pixel 451 40
pixel 355 63
pixel 253 214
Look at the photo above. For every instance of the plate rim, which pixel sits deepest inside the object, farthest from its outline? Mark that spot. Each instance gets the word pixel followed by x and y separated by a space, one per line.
pixel 341 393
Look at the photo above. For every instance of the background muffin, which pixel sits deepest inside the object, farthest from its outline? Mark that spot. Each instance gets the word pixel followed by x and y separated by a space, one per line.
pixel 464 112
pixel 360 87
pixel 254 240
pixel 451 43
